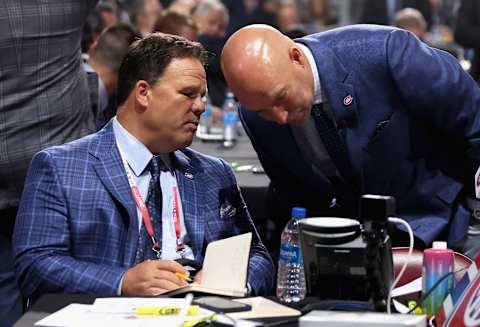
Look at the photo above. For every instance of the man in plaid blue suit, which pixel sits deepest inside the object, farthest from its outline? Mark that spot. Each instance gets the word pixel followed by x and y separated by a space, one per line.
pixel 78 229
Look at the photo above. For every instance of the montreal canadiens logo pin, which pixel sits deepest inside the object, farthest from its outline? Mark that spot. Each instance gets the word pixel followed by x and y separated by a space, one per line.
pixel 347 100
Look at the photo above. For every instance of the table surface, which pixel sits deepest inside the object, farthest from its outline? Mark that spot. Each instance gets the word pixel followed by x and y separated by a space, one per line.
pixel 241 153
pixel 50 303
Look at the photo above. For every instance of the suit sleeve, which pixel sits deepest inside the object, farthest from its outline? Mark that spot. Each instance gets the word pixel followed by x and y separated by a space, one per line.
pixel 261 270
pixel 42 241
pixel 438 92
pixel 467 29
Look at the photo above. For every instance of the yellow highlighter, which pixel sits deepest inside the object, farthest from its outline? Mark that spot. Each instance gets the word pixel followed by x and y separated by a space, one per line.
pixel 165 311
pixel 183 277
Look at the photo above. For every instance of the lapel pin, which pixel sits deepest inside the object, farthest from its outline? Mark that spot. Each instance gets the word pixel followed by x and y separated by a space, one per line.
pixel 188 175
pixel 347 100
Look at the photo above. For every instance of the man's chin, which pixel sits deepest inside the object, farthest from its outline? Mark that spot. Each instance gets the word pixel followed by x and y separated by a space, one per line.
pixel 185 143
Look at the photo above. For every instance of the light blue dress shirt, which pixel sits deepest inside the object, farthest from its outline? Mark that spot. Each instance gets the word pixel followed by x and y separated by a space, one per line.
pixel 138 156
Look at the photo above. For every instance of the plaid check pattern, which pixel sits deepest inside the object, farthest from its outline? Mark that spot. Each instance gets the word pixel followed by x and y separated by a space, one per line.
pixel 43 89
pixel 77 226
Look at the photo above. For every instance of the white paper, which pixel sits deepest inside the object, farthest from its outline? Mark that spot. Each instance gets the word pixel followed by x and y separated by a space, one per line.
pixel 117 312
pixel 128 304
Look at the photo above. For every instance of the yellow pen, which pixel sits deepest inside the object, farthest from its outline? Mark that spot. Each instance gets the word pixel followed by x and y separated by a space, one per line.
pixel 165 311
pixel 183 277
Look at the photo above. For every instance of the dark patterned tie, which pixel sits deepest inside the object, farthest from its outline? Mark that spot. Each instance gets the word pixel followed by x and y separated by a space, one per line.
pixel 154 206
pixel 331 140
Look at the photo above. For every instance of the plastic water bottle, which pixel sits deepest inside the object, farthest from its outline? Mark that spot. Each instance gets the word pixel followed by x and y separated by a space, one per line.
pixel 291 277
pixel 230 120
pixel 206 118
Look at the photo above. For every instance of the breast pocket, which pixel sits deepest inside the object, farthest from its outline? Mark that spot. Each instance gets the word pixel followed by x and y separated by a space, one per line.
pixel 222 223
pixel 381 129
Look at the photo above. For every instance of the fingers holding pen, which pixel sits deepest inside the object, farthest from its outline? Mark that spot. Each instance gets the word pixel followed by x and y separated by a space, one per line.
pixel 153 277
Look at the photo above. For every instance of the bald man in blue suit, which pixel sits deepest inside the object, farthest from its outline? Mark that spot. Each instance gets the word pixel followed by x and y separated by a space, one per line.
pixel 405 118
pixel 80 229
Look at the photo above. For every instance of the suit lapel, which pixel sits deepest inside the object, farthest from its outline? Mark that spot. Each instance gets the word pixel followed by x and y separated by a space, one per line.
pixel 341 98
pixel 191 191
pixel 367 157
pixel 110 171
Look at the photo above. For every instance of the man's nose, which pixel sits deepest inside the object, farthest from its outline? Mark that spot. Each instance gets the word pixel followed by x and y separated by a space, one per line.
pixel 199 105
pixel 279 115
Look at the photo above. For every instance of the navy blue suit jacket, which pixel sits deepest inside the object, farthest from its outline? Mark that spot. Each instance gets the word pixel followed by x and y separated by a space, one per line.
pixel 77 225
pixel 412 130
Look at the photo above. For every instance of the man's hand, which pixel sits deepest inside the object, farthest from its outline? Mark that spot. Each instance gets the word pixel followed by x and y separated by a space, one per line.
pixel 152 277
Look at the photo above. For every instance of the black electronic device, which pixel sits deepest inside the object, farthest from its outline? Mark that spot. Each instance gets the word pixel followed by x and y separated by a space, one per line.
pixel 221 304
pixel 347 260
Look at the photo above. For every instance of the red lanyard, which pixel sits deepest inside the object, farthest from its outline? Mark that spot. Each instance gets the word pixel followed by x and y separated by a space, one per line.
pixel 147 220
pixel 176 222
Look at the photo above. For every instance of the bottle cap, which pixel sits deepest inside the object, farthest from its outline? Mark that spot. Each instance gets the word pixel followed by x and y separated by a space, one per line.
pixel 441 245
pixel 299 212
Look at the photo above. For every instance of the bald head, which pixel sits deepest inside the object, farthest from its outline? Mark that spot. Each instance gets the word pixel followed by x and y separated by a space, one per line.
pixel 260 64
pixel 252 55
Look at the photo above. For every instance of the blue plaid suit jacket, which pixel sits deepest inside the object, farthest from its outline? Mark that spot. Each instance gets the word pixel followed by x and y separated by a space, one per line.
pixel 77 225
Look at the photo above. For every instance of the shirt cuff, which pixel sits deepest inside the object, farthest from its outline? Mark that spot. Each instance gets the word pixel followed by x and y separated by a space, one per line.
pixel 248 289
pixel 119 289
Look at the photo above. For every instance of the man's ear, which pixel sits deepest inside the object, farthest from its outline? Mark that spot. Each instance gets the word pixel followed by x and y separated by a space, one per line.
pixel 296 56
pixel 142 93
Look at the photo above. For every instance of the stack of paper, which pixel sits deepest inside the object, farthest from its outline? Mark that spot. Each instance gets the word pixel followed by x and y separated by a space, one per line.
pixel 118 312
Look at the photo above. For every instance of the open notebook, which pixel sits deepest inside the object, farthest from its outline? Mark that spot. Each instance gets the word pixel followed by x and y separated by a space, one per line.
pixel 225 268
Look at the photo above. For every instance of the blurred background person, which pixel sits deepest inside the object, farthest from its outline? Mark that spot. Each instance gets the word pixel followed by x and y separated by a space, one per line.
pixel 44 102
pixel 245 12
pixel 317 16
pixel 467 32
pixel 383 11
pixel 144 14
pixel 211 17
pixel 288 18
pixel 411 20
pixel 107 12
pixel 104 15
pixel 177 23
pixel 184 6
pixel 102 66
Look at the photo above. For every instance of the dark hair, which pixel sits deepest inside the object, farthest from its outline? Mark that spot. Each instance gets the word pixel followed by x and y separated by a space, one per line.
pixel 95 24
pixel 172 22
pixel 147 59
pixel 112 45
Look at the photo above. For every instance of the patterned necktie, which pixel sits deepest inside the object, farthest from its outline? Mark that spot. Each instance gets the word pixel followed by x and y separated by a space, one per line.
pixel 154 206
pixel 331 140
